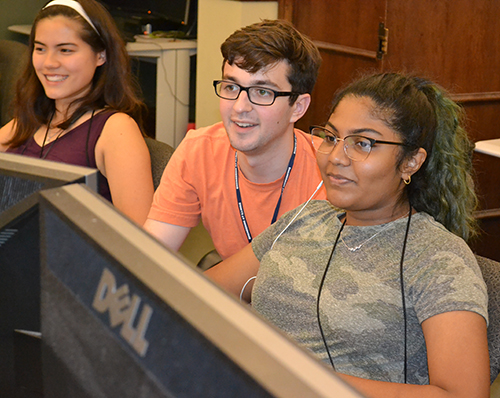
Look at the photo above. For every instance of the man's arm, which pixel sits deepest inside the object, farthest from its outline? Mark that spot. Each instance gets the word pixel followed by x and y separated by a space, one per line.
pixel 170 235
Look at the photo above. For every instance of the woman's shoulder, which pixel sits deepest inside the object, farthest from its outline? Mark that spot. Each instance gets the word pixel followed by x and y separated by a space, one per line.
pixel 114 116
pixel 117 123
pixel 316 211
pixel 431 239
pixel 428 226
pixel 6 134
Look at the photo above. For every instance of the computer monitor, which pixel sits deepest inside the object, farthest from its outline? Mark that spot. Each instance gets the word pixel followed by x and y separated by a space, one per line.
pixel 173 10
pixel 122 316
pixel 21 178
pixel 162 15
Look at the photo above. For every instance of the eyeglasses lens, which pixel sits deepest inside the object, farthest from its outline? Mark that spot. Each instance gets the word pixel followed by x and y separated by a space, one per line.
pixel 256 95
pixel 355 147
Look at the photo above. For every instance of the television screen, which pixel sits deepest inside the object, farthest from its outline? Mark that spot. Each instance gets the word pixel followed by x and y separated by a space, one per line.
pixel 122 316
pixel 21 178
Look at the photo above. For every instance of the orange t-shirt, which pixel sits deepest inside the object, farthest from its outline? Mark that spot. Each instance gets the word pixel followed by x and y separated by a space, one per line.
pixel 199 180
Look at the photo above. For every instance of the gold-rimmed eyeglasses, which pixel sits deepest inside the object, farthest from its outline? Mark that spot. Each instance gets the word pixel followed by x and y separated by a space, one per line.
pixel 356 147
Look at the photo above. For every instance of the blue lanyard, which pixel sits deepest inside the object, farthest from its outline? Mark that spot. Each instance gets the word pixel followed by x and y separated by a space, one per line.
pixel 238 193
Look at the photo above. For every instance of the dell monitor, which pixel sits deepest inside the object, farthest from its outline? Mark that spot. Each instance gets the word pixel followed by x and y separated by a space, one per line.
pixel 122 316
pixel 21 178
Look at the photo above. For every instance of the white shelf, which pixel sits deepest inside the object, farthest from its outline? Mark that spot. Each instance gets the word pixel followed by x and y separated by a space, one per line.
pixel 489 147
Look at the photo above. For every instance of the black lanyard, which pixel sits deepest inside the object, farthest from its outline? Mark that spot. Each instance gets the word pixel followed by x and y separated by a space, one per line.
pixel 238 193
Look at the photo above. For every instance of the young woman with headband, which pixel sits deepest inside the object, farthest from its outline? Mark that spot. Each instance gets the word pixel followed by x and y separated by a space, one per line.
pixel 76 103
pixel 385 291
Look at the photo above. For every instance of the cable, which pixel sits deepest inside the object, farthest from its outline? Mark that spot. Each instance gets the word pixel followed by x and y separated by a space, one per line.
pixel 245 286
pixel 284 229
pixel 296 215
pixel 403 293
pixel 321 288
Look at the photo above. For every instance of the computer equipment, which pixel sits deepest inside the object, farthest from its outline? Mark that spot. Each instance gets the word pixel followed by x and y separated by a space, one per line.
pixel 122 316
pixel 135 17
pixel 21 178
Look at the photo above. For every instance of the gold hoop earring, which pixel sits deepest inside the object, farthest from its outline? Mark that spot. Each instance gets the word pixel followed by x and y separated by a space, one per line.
pixel 407 182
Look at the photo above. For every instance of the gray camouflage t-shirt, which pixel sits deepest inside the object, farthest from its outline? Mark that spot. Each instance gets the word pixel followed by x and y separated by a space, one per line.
pixel 361 306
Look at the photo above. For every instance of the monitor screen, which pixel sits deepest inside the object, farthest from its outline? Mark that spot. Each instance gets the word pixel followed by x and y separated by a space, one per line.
pixel 21 178
pixel 122 316
pixel 172 10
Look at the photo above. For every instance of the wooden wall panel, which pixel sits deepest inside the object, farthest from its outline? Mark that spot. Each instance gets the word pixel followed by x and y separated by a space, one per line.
pixel 336 70
pixel 334 26
pixel 453 42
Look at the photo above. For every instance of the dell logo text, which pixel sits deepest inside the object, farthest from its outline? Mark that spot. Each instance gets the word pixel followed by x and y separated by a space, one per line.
pixel 123 310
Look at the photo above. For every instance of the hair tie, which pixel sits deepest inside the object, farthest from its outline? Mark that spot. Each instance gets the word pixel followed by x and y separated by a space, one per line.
pixel 75 5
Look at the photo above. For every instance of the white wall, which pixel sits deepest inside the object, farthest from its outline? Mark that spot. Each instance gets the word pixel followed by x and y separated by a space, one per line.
pixel 217 19
pixel 17 12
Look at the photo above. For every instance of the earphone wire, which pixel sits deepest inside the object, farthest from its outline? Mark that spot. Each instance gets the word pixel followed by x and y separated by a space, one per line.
pixel 245 286
pixel 281 233
pixel 296 215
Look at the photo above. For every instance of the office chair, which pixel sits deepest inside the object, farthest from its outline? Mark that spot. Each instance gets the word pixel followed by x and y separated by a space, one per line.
pixel 160 153
pixel 491 275
pixel 209 260
pixel 12 58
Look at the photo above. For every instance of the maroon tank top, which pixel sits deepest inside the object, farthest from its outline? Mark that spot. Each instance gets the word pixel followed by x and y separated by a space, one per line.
pixel 76 147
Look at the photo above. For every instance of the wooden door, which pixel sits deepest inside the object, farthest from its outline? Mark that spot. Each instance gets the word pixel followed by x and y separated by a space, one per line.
pixel 346 47
pixel 452 42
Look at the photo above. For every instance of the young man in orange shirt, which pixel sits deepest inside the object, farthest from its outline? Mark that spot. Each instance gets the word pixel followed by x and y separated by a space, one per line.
pixel 243 173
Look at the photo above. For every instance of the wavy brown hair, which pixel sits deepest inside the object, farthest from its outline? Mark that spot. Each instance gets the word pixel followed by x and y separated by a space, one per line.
pixel 262 45
pixel 113 86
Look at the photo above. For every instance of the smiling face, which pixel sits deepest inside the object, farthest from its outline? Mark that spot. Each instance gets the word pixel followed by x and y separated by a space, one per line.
pixel 255 129
pixel 369 190
pixel 63 62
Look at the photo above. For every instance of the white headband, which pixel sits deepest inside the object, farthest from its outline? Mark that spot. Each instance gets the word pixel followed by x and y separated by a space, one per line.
pixel 75 5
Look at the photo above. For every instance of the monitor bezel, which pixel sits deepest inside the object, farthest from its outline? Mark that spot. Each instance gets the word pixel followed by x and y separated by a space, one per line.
pixel 255 345
pixel 51 174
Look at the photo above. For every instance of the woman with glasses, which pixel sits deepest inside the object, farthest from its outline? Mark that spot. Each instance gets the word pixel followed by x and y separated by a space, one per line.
pixel 385 290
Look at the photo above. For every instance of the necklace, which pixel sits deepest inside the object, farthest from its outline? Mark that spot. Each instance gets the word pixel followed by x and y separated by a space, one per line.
pixel 355 248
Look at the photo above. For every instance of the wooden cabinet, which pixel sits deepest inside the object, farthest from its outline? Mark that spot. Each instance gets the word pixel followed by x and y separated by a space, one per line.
pixel 452 42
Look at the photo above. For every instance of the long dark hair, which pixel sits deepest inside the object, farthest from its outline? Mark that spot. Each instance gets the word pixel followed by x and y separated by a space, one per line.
pixel 113 86
pixel 423 114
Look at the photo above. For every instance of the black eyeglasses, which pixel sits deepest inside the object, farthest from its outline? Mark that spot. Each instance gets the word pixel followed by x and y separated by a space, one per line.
pixel 256 95
pixel 356 147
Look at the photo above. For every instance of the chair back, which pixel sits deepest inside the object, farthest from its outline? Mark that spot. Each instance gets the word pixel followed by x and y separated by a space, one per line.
pixel 160 153
pixel 12 56
pixel 491 275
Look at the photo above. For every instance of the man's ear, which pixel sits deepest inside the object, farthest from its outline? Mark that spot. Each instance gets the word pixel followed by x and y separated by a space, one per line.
pixel 413 164
pixel 300 107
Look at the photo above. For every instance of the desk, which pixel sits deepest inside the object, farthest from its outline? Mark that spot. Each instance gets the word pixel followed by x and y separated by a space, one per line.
pixel 172 81
pixel 489 147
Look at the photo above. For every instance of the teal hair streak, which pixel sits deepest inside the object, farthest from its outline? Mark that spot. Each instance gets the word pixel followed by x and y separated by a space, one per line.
pixel 449 196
